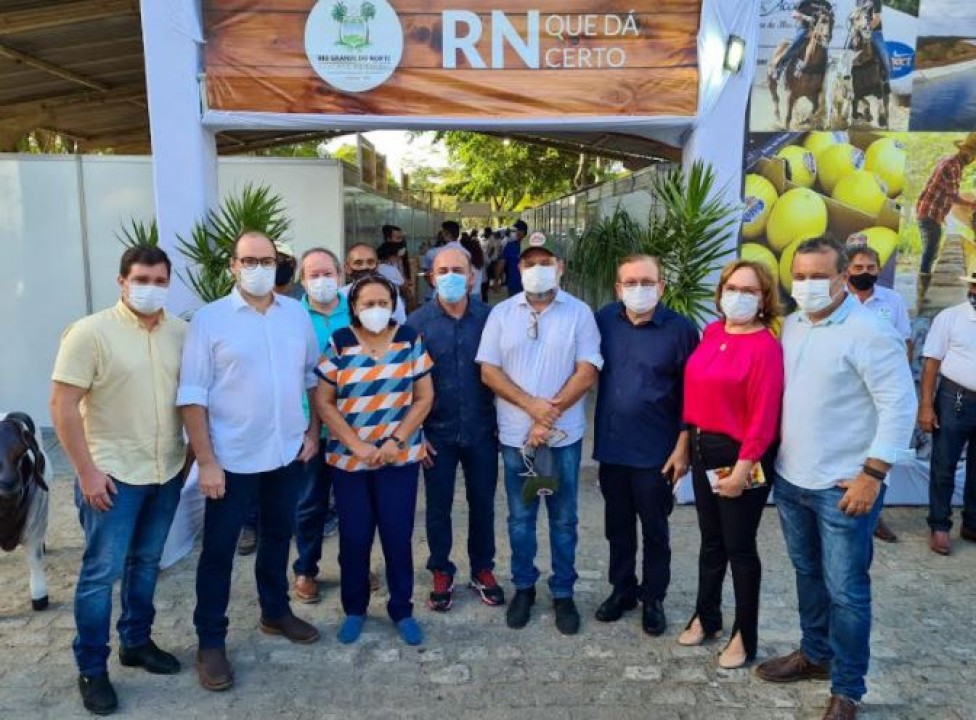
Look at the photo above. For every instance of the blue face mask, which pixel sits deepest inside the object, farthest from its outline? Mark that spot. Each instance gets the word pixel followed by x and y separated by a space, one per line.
pixel 452 287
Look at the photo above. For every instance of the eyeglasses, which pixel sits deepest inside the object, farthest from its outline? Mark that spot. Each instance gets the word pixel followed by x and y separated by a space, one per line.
pixel 533 331
pixel 631 284
pixel 743 290
pixel 252 262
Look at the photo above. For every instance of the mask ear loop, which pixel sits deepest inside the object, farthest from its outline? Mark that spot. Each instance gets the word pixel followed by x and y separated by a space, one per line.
pixel 529 465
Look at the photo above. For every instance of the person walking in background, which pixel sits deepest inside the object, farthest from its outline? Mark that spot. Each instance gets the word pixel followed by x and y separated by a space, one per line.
pixel 645 346
pixel 512 254
pixel 374 393
pixel 733 393
pixel 940 193
pixel 328 310
pixel 477 256
pixel 248 360
pixel 948 411
pixel 862 282
pixel 461 429
pixel 848 410
pixel 540 354
pixel 113 405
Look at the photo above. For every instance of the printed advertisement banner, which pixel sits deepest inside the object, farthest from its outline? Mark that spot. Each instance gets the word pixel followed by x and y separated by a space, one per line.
pixel 433 58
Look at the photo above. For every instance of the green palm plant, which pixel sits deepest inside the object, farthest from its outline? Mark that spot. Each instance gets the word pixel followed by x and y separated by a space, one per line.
pixel 688 232
pixel 367 11
pixel 138 232
pixel 339 13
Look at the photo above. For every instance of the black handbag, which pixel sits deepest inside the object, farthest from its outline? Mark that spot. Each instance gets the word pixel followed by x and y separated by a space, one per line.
pixel 715 450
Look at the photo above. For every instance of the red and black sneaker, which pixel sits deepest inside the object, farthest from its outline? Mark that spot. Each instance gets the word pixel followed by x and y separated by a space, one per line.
pixel 442 594
pixel 485 585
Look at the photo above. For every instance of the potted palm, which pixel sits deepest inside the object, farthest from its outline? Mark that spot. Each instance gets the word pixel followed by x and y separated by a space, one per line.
pixel 688 231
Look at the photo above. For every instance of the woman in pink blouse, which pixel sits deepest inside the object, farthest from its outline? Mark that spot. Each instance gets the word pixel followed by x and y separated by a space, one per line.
pixel 733 393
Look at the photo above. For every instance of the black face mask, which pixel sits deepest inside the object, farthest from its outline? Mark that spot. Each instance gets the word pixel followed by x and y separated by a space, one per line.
pixel 285 272
pixel 972 299
pixel 864 281
pixel 360 274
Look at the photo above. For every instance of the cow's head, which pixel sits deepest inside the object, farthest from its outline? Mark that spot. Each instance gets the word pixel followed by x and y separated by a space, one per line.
pixel 21 459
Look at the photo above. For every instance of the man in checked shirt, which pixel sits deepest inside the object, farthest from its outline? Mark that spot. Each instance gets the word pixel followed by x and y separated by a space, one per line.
pixel 934 204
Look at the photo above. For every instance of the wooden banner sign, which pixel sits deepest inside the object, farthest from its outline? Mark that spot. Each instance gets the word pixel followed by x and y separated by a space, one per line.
pixel 454 58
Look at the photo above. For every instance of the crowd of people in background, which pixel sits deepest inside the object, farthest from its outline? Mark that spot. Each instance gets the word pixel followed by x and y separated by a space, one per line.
pixel 340 393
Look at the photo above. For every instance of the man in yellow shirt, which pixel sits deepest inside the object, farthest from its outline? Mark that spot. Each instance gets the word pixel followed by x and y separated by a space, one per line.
pixel 114 409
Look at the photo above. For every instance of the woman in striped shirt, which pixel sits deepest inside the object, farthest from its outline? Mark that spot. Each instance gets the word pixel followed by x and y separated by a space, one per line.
pixel 374 394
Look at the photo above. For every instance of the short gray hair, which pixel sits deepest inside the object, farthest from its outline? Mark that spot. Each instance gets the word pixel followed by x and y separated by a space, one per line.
pixel 312 251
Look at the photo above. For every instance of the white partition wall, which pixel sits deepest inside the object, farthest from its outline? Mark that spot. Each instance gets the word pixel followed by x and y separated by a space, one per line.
pixel 59 219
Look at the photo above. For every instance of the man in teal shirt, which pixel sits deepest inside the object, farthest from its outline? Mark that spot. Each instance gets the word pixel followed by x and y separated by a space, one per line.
pixel 329 311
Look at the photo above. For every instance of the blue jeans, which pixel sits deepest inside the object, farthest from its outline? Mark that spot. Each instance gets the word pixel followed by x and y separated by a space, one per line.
pixel 480 465
pixel 793 51
pixel 124 543
pixel 563 517
pixel 955 430
pixel 384 499
pixel 878 43
pixel 313 509
pixel 831 553
pixel 276 495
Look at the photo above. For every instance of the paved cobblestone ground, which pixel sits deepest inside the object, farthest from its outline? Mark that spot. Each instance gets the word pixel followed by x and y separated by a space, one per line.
pixel 923 665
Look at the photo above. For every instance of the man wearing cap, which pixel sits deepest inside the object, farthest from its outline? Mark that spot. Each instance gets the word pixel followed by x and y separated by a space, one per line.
pixel 949 413
pixel 941 192
pixel 511 254
pixel 862 281
pixel 540 354
pixel 285 272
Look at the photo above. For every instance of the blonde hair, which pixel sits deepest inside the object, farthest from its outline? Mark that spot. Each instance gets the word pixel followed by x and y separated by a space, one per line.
pixel 769 307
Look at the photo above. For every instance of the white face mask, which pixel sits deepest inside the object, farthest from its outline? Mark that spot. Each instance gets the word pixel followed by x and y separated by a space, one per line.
pixel 376 319
pixel 323 289
pixel 539 279
pixel 147 299
pixel 257 281
pixel 739 307
pixel 812 296
pixel 640 299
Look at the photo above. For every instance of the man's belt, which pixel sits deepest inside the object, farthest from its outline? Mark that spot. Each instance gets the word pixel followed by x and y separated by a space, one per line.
pixel 955 387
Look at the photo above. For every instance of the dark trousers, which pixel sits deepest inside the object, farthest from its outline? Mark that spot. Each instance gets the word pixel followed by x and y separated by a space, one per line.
pixel 384 499
pixel 630 494
pixel 954 431
pixel 480 465
pixel 728 538
pixel 313 509
pixel 931 233
pixel 276 495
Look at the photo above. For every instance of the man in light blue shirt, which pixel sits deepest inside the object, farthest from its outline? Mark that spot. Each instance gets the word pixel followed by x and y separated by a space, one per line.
pixel 247 361
pixel 848 410
pixel 329 311
pixel 540 354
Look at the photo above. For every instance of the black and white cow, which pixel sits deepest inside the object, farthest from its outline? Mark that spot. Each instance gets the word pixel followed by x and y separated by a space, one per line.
pixel 25 474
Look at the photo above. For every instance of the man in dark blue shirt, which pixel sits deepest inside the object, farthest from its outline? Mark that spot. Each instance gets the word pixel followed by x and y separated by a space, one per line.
pixel 461 428
pixel 511 254
pixel 641 443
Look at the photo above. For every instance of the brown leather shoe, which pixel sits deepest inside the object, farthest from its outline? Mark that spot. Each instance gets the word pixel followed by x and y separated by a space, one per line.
pixel 214 669
pixel 841 708
pixel 291 627
pixel 306 589
pixel 883 532
pixel 940 543
pixel 966 534
pixel 791 668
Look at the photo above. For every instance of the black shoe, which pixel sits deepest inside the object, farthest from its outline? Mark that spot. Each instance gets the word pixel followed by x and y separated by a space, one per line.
pixel 653 620
pixel 519 610
pixel 613 607
pixel 567 616
pixel 150 657
pixel 97 694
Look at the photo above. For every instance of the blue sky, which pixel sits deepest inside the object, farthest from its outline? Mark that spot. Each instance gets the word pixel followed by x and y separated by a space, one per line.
pixel 947 17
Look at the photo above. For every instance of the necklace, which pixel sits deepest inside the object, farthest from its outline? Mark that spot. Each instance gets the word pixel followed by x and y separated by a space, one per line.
pixel 376 349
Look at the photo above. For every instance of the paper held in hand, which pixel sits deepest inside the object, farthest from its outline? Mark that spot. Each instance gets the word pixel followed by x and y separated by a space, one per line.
pixel 757 477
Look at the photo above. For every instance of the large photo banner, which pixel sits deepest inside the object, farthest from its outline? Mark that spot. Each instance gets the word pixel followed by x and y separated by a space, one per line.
pixel 433 58
pixel 839 65
pixel 945 82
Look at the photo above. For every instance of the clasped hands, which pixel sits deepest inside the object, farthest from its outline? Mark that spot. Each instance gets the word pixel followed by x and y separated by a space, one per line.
pixel 544 414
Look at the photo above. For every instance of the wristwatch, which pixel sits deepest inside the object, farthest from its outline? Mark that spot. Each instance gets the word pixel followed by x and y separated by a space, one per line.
pixel 874 473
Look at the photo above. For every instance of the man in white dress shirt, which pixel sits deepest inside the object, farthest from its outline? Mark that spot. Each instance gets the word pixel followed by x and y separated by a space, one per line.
pixel 848 409
pixel 248 359
pixel 862 279
pixel 949 413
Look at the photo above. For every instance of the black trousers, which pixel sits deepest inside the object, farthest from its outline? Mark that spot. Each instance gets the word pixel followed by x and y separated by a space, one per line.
pixel 728 538
pixel 630 494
